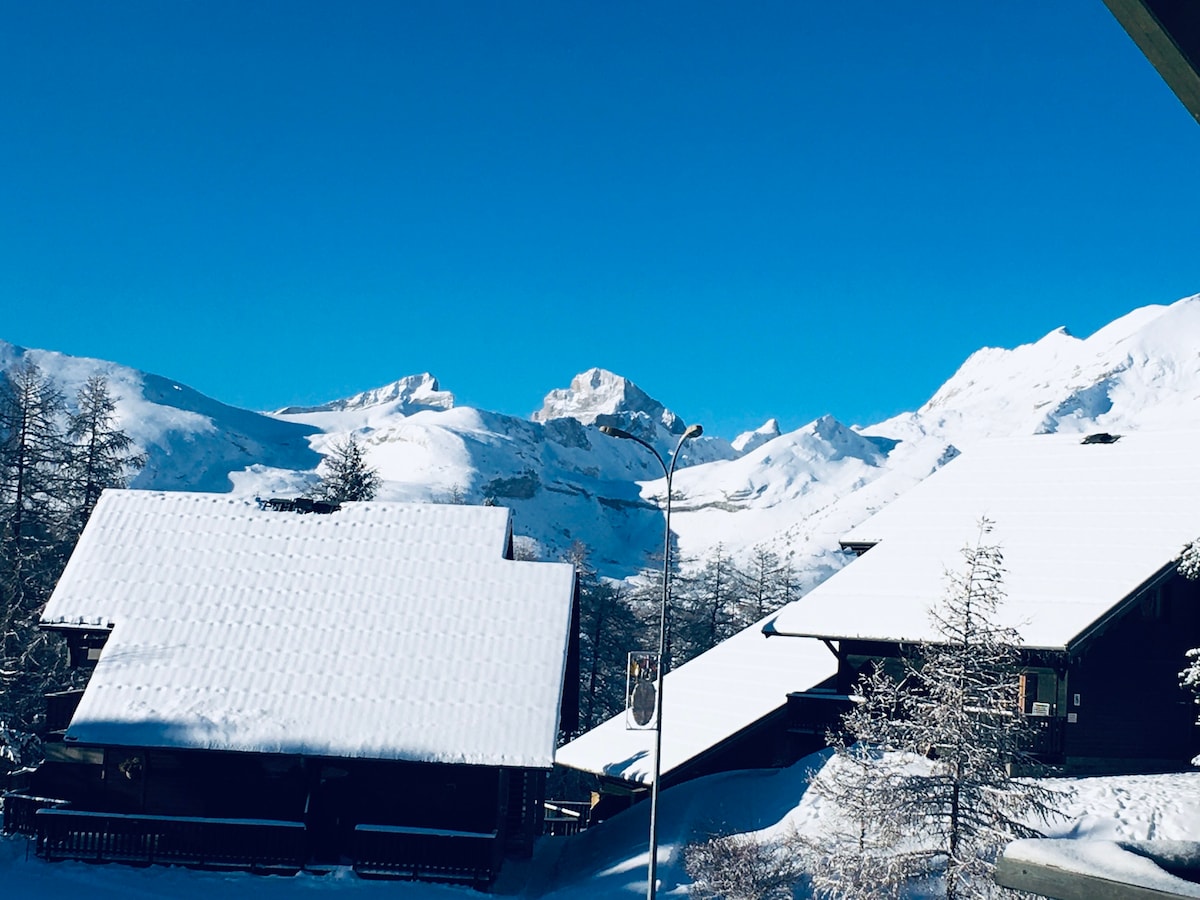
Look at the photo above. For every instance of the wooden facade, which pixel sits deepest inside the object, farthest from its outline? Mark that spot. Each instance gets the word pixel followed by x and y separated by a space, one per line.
pixel 276 812
pixel 1110 702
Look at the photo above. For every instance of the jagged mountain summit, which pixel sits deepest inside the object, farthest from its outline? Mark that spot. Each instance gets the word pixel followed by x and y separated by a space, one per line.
pixel 599 397
pixel 793 492
pixel 411 394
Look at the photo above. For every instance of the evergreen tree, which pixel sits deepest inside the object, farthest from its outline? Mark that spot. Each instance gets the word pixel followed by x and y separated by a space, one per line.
pixel 706 605
pixel 646 598
pixel 608 631
pixel 765 584
pixel 927 775
pixel 32 550
pixel 347 475
pixel 101 455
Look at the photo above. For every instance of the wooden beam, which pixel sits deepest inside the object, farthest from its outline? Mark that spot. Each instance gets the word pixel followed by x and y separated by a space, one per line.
pixel 1168 33
pixel 1060 884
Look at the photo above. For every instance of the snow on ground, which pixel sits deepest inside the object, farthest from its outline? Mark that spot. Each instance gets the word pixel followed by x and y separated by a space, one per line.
pixel 610 860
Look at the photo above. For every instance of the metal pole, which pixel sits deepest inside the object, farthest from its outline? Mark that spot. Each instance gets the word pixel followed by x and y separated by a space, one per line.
pixel 669 472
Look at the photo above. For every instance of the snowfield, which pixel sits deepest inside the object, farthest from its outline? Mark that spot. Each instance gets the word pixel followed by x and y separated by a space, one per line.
pixel 610 860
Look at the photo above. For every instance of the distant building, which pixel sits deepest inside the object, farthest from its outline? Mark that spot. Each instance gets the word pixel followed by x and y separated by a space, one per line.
pixel 379 685
pixel 1091 531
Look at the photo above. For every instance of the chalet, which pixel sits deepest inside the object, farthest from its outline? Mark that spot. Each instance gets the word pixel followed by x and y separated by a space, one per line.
pixel 274 686
pixel 1091 529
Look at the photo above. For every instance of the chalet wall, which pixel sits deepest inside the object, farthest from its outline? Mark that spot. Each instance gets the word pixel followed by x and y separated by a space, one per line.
pixel 329 797
pixel 1131 707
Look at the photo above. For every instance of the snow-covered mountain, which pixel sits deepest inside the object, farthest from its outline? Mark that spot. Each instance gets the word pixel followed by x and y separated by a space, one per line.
pixel 794 492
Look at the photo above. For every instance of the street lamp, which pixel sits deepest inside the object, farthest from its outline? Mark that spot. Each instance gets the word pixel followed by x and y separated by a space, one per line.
pixel 669 471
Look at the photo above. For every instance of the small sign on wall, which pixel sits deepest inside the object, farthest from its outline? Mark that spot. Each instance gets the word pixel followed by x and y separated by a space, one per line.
pixel 641 691
pixel 1040 709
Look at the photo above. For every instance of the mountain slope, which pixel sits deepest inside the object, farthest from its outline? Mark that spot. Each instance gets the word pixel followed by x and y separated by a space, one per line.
pixel 795 492
pixel 192 442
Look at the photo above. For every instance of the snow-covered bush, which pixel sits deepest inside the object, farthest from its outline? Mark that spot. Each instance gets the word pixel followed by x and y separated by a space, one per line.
pixel 743 867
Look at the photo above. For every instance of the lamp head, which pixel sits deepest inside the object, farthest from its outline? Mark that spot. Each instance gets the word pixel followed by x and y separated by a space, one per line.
pixel 693 431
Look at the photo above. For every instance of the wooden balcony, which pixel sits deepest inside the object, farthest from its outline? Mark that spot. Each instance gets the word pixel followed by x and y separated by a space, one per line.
pixel 256 844
pixel 566 817
pixel 430 854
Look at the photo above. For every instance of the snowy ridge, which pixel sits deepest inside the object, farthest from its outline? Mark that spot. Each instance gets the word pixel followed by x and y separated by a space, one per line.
pixel 796 491
pixel 411 394
pixel 192 441
pixel 752 440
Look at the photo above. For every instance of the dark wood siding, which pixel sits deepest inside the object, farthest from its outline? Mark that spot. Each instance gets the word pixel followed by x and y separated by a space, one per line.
pixel 1123 685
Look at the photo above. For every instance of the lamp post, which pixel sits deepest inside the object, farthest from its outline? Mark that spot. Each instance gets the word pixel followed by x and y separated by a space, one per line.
pixel 669 471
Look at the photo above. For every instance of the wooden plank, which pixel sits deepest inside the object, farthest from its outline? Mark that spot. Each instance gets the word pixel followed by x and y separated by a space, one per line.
pixel 1166 32
pixel 1059 884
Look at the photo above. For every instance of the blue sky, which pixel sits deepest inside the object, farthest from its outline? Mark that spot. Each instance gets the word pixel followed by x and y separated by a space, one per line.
pixel 750 209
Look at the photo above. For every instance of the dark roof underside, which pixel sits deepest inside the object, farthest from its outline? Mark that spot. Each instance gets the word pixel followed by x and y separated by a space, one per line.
pixel 1168 33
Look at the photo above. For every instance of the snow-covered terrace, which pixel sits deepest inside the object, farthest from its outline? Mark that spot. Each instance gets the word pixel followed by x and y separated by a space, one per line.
pixel 1082 527
pixel 383 630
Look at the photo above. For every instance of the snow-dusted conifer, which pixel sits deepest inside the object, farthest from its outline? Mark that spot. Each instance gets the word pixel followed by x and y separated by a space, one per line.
pixel 766 582
pixel 928 779
pixel 704 601
pixel 32 551
pixel 347 475
pixel 608 631
pixel 101 455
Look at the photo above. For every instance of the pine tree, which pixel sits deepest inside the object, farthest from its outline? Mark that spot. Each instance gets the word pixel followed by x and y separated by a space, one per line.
pixel 766 583
pixel 952 720
pixel 101 455
pixel 32 550
pixel 608 630
pixel 706 604
pixel 347 475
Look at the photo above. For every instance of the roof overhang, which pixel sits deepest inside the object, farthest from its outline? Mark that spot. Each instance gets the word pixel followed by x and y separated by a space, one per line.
pixel 1168 33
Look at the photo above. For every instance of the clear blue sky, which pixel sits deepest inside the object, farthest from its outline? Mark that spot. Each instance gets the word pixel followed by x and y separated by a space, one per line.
pixel 751 209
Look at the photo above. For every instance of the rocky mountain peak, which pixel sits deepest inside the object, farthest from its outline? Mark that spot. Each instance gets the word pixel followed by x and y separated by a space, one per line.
pixel 410 394
pixel 600 397
pixel 750 440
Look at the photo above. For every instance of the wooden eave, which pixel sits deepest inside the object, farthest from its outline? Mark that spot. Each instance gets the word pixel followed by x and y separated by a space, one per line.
pixel 1168 33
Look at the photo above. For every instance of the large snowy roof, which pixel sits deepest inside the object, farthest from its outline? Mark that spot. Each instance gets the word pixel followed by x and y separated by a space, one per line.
pixel 383 630
pixel 705 701
pixel 1081 526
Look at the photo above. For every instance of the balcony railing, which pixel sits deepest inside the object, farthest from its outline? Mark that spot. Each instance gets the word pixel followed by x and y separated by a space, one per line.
pixel 427 853
pixel 20 811
pixel 261 844
pixel 566 817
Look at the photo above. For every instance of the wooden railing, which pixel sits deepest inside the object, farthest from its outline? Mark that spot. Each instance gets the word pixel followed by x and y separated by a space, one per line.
pixel 815 713
pixel 566 817
pixel 1046 735
pixel 109 837
pixel 427 853
pixel 20 811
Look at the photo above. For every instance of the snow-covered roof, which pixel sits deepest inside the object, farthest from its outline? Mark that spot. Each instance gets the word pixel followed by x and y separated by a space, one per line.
pixel 383 630
pixel 705 701
pixel 1081 526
